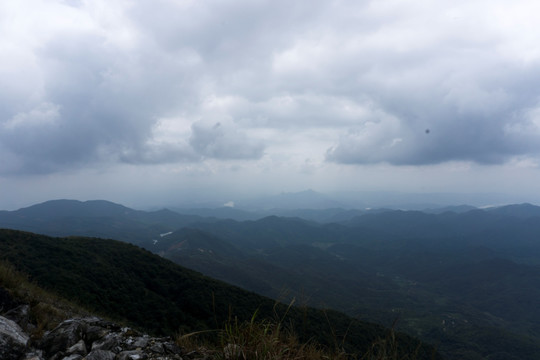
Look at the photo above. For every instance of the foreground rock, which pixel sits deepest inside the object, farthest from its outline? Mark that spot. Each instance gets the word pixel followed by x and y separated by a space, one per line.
pixel 13 341
pixel 88 339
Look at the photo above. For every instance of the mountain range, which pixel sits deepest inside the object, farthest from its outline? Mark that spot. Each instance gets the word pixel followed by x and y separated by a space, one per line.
pixel 464 279
pixel 130 285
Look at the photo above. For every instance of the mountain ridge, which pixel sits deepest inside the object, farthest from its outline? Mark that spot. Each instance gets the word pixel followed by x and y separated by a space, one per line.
pixel 370 265
pixel 143 289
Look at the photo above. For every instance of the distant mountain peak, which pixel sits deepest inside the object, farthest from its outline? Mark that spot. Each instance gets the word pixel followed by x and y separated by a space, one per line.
pixel 62 208
pixel 524 210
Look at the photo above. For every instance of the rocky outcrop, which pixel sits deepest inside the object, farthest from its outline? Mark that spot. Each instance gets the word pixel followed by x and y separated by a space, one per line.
pixel 84 338
pixel 13 340
pixel 89 338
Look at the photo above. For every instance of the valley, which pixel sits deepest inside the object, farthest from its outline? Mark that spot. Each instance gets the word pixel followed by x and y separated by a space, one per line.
pixel 463 279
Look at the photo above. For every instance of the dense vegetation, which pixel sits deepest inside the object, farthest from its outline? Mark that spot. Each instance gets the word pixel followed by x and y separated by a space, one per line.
pixel 464 279
pixel 132 285
pixel 466 282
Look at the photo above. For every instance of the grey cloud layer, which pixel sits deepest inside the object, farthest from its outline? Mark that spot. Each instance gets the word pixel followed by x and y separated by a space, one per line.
pixel 219 143
pixel 485 117
pixel 377 74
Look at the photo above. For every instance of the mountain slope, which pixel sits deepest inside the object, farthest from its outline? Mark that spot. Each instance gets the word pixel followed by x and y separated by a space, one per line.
pixel 97 218
pixel 130 283
pixel 467 280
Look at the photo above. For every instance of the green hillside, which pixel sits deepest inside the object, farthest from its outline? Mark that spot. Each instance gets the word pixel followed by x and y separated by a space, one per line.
pixel 467 281
pixel 96 218
pixel 133 285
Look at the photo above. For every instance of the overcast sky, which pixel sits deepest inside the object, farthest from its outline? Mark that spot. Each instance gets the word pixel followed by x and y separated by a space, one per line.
pixel 148 102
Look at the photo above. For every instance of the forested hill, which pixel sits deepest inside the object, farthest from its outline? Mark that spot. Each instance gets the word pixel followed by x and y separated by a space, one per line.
pixel 96 218
pixel 463 278
pixel 130 284
pixel 468 281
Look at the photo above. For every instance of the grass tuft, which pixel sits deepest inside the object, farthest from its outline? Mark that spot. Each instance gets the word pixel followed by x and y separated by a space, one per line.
pixel 272 340
pixel 46 309
pixel 257 340
pixel 265 339
pixel 268 340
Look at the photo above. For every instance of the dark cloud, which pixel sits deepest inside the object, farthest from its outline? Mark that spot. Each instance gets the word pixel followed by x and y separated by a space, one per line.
pixel 482 140
pixel 96 102
pixel 484 112
pixel 222 142
pixel 368 78
pixel 160 154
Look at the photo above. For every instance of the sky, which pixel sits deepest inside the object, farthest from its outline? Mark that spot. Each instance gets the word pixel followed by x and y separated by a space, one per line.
pixel 167 101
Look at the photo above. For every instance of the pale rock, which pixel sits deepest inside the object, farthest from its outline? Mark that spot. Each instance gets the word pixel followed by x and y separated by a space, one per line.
pixel 63 337
pixel 78 349
pixel 73 357
pixel 13 340
pixel 101 355
pixel 132 355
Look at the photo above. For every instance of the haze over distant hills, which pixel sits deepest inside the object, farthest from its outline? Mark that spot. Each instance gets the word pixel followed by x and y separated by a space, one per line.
pixel 314 200
pixel 461 277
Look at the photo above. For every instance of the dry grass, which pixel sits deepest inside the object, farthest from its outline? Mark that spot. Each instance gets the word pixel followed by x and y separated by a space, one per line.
pixel 10 278
pixel 249 340
pixel 387 349
pixel 257 340
pixel 46 309
pixel 271 340
pixel 268 340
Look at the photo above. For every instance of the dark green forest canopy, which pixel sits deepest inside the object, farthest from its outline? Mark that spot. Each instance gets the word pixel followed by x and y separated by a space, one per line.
pixel 131 284
pixel 465 280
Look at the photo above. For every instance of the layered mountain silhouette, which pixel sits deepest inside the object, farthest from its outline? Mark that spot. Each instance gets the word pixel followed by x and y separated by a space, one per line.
pixel 463 278
pixel 129 284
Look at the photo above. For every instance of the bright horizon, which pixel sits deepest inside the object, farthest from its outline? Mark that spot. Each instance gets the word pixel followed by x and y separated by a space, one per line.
pixel 310 199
